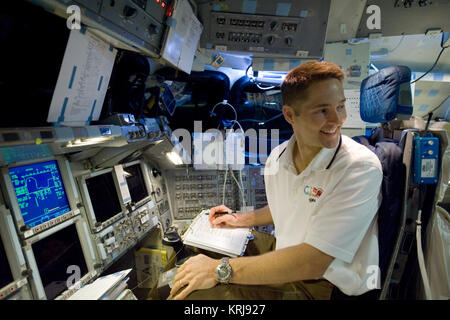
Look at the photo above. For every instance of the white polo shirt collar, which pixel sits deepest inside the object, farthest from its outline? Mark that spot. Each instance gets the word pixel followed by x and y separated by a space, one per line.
pixel 321 161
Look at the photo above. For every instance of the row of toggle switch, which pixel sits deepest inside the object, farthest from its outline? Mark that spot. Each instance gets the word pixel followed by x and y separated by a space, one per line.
pixel 195 177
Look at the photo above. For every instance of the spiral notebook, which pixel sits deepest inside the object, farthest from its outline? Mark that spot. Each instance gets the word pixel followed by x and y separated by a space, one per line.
pixel 228 241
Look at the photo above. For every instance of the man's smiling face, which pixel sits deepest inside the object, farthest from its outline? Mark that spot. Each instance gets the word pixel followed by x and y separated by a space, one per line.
pixel 317 121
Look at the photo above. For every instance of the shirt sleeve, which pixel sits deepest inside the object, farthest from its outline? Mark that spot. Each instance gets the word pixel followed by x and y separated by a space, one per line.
pixel 346 213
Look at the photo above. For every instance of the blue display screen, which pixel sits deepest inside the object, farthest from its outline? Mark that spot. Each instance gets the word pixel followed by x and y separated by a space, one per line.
pixel 39 191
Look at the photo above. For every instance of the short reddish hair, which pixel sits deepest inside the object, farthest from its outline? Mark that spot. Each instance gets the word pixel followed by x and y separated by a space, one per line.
pixel 300 78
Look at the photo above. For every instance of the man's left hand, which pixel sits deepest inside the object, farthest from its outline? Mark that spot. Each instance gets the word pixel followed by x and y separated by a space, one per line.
pixel 196 273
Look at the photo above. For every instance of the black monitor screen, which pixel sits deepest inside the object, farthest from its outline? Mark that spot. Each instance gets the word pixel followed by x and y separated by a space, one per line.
pixel 136 184
pixel 104 198
pixel 54 255
pixel 5 271
pixel 40 192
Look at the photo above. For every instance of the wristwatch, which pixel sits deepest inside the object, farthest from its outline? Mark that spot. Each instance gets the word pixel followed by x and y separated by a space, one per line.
pixel 223 271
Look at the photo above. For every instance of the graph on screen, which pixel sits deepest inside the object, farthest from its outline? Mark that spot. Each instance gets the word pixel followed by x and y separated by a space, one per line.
pixel 40 192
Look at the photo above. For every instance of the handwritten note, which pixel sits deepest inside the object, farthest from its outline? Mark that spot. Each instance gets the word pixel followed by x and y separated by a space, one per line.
pixel 228 241
pixel 83 79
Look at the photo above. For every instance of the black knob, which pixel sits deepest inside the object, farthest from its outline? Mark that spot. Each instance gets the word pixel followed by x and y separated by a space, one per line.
pixel 129 12
pixel 273 25
pixel 25 228
pixel 156 172
pixel 288 41
pixel 26 273
pixel 153 29
pixel 129 207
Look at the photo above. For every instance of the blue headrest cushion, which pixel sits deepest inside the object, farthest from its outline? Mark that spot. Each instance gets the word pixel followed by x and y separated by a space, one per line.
pixel 379 97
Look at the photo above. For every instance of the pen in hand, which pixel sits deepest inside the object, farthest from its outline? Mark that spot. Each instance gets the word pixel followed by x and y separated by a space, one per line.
pixel 219 217
pixel 224 212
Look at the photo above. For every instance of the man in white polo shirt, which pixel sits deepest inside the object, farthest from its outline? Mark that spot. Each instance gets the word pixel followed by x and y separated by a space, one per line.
pixel 323 192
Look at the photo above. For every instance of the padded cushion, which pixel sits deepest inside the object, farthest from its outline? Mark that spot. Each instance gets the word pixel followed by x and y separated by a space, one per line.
pixel 380 93
pixel 392 188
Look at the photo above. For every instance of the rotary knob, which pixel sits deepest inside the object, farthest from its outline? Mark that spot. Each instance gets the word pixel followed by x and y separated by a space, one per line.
pixel 129 12
pixel 273 25
pixel 288 41
pixel 153 29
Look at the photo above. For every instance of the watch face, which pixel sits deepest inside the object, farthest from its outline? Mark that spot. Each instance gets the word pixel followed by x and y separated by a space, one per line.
pixel 223 272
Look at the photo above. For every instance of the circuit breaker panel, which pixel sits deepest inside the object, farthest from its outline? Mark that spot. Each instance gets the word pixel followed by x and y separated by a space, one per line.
pixel 191 190
pixel 290 29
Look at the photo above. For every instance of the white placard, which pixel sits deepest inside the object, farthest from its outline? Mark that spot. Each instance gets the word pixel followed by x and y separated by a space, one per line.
pixel 122 180
pixel 99 287
pixel 182 39
pixel 353 59
pixel 83 79
pixel 352 106
pixel 428 169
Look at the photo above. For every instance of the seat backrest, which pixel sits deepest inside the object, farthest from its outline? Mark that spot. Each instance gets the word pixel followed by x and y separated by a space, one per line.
pixel 386 95
pixel 392 188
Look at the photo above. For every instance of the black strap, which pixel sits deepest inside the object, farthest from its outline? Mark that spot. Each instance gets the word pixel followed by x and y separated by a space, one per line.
pixel 332 159
pixel 335 153
pixel 281 153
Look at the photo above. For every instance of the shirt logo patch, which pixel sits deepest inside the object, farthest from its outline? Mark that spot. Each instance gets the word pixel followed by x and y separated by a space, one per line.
pixel 313 193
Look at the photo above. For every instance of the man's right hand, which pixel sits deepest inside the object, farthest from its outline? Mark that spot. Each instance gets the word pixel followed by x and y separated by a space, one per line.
pixel 216 219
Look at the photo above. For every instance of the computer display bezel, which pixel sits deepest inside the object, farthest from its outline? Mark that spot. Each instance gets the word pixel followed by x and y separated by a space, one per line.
pixel 95 225
pixel 11 197
pixel 8 264
pixel 147 182
pixel 19 286
pixel 86 245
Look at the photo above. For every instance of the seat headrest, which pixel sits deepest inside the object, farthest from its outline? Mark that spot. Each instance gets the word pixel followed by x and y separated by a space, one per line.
pixel 386 95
